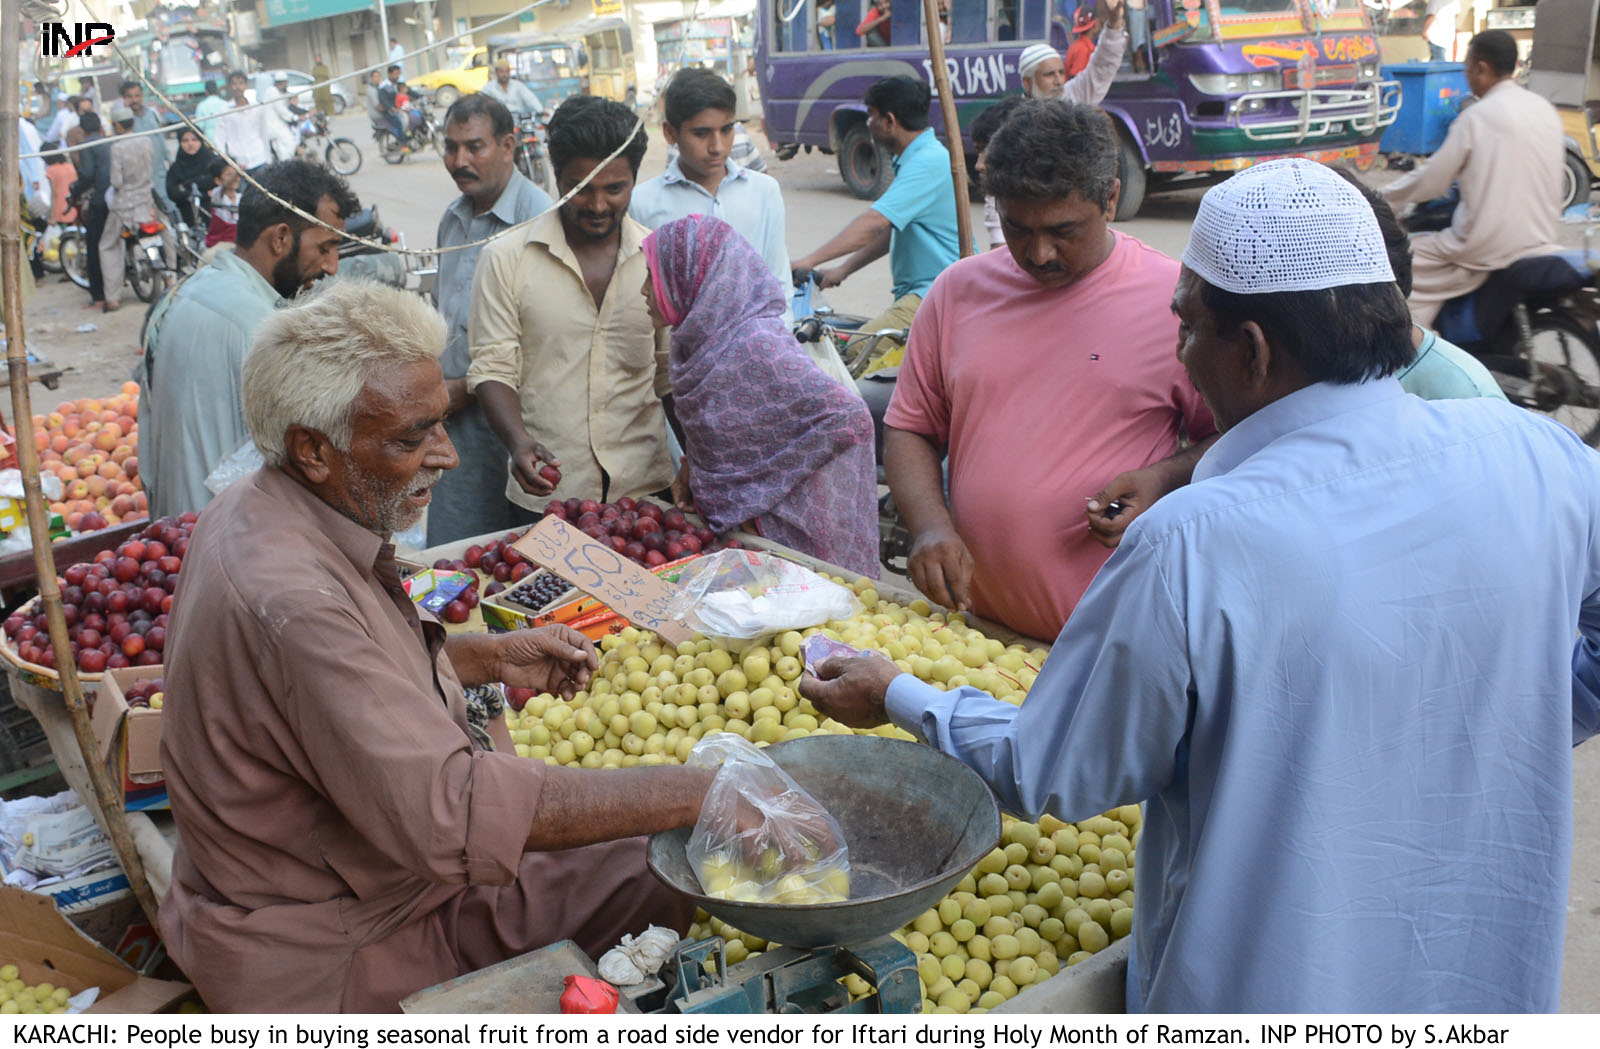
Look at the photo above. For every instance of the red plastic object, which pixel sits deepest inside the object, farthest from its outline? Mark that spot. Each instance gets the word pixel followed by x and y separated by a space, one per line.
pixel 585 994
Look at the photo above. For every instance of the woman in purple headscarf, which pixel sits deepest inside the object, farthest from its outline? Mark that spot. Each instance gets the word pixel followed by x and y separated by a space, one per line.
pixel 772 443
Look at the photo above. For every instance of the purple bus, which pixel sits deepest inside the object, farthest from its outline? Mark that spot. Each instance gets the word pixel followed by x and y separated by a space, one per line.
pixel 1212 86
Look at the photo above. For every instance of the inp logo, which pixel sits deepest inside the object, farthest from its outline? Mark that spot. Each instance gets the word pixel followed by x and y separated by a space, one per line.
pixel 56 42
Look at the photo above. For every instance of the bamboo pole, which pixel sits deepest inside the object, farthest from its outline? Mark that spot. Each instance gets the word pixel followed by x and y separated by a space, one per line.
pixel 107 793
pixel 952 123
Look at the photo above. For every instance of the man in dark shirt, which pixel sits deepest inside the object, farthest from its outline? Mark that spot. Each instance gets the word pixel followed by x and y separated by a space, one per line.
pixel 94 178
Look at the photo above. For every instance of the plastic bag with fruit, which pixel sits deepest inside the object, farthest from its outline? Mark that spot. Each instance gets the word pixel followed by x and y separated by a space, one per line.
pixel 761 838
pixel 737 595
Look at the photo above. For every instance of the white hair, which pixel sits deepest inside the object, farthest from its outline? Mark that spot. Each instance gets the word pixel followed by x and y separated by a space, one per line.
pixel 309 362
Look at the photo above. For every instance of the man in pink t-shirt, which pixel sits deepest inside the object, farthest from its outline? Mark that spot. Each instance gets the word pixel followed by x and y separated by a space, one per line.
pixel 1045 371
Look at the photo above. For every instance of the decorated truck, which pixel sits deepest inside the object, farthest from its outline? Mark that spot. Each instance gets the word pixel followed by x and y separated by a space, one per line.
pixel 1208 86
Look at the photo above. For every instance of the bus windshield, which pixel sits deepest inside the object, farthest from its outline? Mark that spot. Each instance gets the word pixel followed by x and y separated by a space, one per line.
pixel 188 59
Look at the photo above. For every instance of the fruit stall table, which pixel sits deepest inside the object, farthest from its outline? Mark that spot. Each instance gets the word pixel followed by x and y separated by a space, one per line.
pixel 1094 985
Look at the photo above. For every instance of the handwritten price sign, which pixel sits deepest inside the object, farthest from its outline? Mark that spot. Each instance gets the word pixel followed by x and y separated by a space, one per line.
pixel 604 575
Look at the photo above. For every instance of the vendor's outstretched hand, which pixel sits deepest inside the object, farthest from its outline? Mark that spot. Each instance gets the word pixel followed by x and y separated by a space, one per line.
pixel 554 659
pixel 851 689
pixel 1134 492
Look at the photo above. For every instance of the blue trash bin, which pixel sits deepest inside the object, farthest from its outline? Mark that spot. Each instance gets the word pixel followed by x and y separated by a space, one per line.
pixel 1431 94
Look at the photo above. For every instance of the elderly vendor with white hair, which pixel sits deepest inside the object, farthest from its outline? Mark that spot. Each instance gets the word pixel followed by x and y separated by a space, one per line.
pixel 1044 75
pixel 1349 714
pixel 346 840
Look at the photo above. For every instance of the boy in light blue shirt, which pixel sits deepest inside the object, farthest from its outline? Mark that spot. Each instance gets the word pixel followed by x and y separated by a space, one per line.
pixel 701 179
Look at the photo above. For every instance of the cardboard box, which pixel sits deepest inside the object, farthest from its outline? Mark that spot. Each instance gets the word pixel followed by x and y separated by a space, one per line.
pixel 45 947
pixel 130 739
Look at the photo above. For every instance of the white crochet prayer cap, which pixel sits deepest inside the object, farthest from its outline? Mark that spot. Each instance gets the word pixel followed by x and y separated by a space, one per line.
pixel 1032 56
pixel 1286 225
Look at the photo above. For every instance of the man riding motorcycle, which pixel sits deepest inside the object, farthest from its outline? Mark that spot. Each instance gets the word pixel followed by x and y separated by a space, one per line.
pixel 1506 155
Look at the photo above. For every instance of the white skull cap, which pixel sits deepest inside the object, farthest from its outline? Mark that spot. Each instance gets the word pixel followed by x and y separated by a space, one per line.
pixel 1286 225
pixel 1032 56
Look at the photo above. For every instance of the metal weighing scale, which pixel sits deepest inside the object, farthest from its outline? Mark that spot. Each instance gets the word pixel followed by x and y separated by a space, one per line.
pixel 916 822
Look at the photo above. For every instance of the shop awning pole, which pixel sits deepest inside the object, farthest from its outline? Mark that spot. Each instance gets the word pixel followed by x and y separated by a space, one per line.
pixel 952 123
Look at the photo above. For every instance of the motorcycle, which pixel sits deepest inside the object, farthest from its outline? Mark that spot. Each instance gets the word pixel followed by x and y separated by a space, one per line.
pixel 421 131
pixel 145 257
pixel 366 260
pixel 340 154
pixel 533 155
pixel 1534 326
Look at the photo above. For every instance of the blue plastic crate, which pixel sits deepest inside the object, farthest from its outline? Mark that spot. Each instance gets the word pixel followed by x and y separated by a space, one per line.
pixel 1431 94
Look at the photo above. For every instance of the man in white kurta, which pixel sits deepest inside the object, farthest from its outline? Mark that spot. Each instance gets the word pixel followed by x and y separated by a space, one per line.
pixel 1506 153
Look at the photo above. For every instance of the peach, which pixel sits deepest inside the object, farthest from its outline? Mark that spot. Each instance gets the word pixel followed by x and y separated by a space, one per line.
pixel 130 466
pixel 74 519
pixel 96 485
pixel 121 504
pixel 77 489
pixel 140 503
pixel 106 440
pixel 109 470
pixel 120 453
pixel 67 474
pixel 59 443
pixel 130 389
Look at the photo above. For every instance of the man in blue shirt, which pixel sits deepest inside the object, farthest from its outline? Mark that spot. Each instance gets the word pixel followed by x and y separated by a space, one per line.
pixel 1350 715
pixel 914 222
pixel 480 145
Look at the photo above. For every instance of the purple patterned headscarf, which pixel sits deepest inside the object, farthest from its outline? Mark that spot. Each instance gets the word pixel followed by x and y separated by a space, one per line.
pixel 770 438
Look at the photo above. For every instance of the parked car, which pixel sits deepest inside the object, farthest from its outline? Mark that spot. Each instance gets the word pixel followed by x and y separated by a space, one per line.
pixel 464 70
pixel 299 83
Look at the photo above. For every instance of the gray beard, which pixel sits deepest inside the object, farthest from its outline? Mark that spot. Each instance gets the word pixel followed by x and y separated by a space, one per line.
pixel 390 513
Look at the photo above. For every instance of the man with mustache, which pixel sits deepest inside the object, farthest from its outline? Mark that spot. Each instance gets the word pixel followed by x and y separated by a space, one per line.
pixel 565 360
pixel 347 838
pixel 195 341
pixel 1043 370
pixel 479 152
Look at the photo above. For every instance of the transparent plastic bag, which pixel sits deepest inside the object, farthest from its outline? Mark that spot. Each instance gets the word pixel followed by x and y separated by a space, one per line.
pixel 241 462
pixel 794 854
pixel 740 595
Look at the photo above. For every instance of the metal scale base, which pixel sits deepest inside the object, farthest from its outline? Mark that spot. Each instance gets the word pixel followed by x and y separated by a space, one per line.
pixel 788 980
